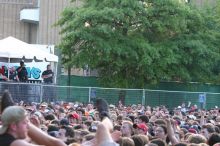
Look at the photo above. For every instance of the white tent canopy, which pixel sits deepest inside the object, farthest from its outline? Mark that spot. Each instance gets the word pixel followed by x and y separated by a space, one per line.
pixel 13 50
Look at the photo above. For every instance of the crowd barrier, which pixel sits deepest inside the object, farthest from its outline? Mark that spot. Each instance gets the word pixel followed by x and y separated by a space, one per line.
pixel 39 92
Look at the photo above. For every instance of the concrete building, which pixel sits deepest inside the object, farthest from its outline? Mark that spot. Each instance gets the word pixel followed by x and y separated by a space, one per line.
pixel 31 20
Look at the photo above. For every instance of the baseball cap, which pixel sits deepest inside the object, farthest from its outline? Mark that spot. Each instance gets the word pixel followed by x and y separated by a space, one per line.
pixel 141 126
pixel 75 116
pixel 22 62
pixel 10 115
pixel 191 130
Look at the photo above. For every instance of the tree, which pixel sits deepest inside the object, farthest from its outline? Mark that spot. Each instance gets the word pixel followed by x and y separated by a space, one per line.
pixel 135 42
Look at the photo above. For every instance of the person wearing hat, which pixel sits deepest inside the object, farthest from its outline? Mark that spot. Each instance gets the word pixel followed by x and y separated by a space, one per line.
pixel 16 128
pixel 73 119
pixel 22 73
pixel 141 128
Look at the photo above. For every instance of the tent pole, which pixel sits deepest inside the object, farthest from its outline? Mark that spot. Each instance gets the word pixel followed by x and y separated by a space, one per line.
pixel 56 66
pixel 8 67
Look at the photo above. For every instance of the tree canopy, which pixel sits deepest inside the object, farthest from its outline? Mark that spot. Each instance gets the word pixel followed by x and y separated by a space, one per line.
pixel 132 43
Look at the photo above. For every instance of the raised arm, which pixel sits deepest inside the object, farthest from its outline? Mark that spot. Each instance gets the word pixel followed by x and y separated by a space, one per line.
pixel 42 138
pixel 171 132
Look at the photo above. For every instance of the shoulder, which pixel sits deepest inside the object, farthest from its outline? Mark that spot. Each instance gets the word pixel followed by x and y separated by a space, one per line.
pixel 49 71
pixel 21 142
pixel 44 72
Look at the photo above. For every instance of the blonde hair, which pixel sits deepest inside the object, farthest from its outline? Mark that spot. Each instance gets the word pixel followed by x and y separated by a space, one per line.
pixel 196 138
pixel 125 141
pixel 12 114
pixel 74 144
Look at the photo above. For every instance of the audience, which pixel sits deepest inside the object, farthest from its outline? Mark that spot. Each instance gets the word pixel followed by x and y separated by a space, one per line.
pixel 76 124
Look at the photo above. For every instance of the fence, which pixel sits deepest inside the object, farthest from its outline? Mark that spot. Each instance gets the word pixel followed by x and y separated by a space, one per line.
pixel 36 92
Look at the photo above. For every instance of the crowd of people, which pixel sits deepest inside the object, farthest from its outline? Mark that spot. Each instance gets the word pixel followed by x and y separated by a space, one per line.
pixel 101 124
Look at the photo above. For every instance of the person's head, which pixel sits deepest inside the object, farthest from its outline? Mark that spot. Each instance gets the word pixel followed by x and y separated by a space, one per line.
pixel 89 107
pixel 159 142
pixel 90 118
pixel 143 119
pixel 15 122
pixel 213 139
pixel 140 129
pixel 64 122
pixel 66 131
pixel 77 135
pixel 161 132
pixel 151 144
pixel 207 130
pixel 126 141
pixel 54 134
pixel 160 122
pixel 181 144
pixel 140 140
pixel 117 127
pixel 182 132
pixel 48 67
pixel 88 137
pixel 12 69
pixel 22 63
pixel 193 144
pixel 127 129
pixel 73 118
pixel 120 119
pixel 55 122
pixel 196 138
pixel 52 127
pixel 50 117
pixel 74 144
pixel 217 119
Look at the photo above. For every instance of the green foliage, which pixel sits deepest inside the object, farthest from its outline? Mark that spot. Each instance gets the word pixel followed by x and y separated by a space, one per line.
pixel 132 43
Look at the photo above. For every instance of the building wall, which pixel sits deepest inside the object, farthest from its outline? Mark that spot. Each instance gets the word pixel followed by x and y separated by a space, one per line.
pixel 42 33
pixel 10 24
pixel 49 14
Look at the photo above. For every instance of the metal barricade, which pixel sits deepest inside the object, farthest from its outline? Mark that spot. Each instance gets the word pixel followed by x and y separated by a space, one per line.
pixel 39 92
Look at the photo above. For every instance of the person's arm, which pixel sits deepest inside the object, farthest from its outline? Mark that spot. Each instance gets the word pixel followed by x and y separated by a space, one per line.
pixel 42 138
pixel 202 119
pixel 26 74
pixel 47 76
pixel 17 70
pixel 16 76
pixel 171 133
pixel 21 142
pixel 4 77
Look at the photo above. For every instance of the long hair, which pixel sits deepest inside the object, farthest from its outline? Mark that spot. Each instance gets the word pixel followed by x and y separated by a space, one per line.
pixel 6 100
